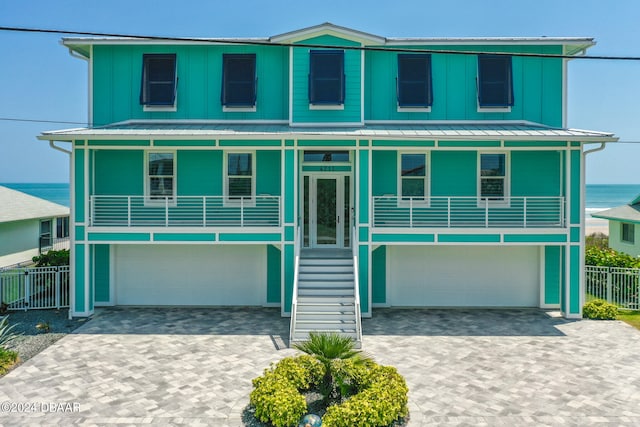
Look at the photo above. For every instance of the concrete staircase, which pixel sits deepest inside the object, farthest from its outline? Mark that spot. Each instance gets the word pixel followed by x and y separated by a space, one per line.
pixel 325 300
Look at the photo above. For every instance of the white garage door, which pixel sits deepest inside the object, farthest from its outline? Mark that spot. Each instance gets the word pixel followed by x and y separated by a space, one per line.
pixel 190 275
pixel 469 276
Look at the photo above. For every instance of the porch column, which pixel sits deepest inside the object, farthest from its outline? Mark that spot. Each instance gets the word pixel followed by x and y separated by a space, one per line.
pixel 290 222
pixel 363 198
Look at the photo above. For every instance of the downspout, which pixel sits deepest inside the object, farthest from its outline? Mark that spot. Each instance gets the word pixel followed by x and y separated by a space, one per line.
pixel 55 147
pixel 593 150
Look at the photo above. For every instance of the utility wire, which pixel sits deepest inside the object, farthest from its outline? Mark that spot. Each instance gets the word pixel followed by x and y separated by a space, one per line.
pixel 253 42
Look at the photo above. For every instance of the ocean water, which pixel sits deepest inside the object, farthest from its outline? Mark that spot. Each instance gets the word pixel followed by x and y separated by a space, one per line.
pixel 54 192
pixel 599 196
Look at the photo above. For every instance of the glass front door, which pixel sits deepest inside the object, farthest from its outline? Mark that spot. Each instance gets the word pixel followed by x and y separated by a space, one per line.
pixel 326 211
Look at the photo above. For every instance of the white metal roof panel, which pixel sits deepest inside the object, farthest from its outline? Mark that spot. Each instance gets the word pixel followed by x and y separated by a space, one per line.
pixel 17 206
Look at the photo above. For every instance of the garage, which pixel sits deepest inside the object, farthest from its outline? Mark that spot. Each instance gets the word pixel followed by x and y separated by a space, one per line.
pixel 463 276
pixel 199 275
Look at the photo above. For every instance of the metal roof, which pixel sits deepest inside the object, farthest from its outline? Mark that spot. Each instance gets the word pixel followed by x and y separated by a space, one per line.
pixel 431 131
pixel 18 206
pixel 621 213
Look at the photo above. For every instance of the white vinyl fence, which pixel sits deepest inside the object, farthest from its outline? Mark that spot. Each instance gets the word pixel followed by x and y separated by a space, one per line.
pixel 618 286
pixel 35 288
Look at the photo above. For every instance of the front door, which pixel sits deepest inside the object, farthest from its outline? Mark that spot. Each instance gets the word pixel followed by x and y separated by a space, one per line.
pixel 326 211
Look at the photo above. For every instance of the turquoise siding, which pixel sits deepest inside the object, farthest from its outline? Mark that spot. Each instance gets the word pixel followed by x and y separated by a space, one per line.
pixel 536 173
pixel 379 275
pixel 268 173
pixel 101 258
pixel 200 173
pixel 574 283
pixel 274 275
pixel 289 271
pixel 78 271
pixel 552 274
pixel 576 188
pixel 119 172
pixel 118 73
pixel 79 184
pixel 454 173
pixel 537 85
pixel 385 179
pixel 363 275
pixel 353 77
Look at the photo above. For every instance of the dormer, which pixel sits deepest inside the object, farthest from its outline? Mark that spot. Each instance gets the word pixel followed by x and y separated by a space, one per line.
pixel 326 79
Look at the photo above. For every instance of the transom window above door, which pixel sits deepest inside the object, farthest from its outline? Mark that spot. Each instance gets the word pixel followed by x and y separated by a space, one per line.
pixel 326 156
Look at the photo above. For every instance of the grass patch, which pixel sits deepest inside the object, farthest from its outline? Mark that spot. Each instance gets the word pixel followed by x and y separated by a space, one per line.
pixel 8 359
pixel 630 317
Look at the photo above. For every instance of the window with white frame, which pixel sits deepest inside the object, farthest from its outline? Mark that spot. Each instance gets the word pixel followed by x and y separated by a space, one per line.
pixel 62 227
pixel 493 176
pixel 628 231
pixel 240 176
pixel 413 177
pixel 160 175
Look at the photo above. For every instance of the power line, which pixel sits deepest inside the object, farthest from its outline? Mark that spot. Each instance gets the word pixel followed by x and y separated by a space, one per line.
pixel 15 119
pixel 307 45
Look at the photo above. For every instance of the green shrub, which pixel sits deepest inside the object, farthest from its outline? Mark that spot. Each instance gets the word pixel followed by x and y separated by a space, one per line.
pixel 8 358
pixel 276 395
pixel 277 401
pixel 600 240
pixel 382 402
pixel 6 336
pixel 52 258
pixel 606 257
pixel 599 309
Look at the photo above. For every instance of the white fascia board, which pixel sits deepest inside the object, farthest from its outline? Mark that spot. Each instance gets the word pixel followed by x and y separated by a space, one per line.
pixel 328 29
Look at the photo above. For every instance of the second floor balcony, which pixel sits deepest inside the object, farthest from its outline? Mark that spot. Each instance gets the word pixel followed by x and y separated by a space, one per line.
pixel 468 212
pixel 185 211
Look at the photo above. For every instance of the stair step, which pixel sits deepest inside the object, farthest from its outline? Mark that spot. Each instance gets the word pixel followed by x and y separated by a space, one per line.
pixel 306 316
pixel 325 275
pixel 326 261
pixel 337 292
pixel 325 299
pixel 326 269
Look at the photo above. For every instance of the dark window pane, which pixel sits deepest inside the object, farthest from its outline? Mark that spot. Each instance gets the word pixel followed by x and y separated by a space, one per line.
pixel 414 80
pixel 413 165
pixel 160 164
pixel 413 188
pixel 628 232
pixel 239 80
pixel 492 165
pixel 326 77
pixel 492 188
pixel 161 187
pixel 239 164
pixel 158 79
pixel 240 187
pixel 495 87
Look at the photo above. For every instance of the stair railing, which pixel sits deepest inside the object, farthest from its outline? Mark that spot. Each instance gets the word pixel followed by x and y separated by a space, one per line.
pixel 356 290
pixel 294 297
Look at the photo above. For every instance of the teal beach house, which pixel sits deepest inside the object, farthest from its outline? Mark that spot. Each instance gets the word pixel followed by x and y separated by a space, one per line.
pixel 328 172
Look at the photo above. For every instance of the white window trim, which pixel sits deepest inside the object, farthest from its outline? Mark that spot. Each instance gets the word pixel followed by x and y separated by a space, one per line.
pixel 326 106
pixel 427 182
pixel 493 109
pixel 413 109
pixel 161 108
pixel 225 177
pixel 226 109
pixel 148 201
pixel 506 202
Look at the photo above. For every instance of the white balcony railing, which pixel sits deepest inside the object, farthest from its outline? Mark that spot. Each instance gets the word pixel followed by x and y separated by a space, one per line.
pixel 185 211
pixel 468 212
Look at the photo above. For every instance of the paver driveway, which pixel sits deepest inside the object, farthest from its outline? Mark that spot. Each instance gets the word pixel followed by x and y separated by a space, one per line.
pixel 159 366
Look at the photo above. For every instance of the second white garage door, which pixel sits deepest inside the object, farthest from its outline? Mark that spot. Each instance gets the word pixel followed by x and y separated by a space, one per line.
pixel 463 276
pixel 190 275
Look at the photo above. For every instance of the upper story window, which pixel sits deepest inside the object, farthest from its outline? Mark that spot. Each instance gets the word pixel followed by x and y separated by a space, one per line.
pixel 240 176
pixel 495 82
pixel 414 81
pixel 326 77
pixel 159 80
pixel 160 175
pixel 493 176
pixel 628 231
pixel 413 176
pixel 239 80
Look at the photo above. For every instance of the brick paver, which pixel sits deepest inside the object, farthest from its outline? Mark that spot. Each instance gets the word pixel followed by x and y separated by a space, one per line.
pixel 181 366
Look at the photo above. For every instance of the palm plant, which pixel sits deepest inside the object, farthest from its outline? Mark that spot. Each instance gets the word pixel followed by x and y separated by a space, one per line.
pixel 329 348
pixel 6 336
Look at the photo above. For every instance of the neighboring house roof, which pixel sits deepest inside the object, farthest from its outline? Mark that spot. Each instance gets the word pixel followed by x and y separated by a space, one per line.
pixel 18 206
pixel 629 212
pixel 437 131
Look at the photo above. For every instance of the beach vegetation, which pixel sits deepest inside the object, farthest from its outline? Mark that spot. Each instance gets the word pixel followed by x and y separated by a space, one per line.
pixel 600 310
pixel 607 257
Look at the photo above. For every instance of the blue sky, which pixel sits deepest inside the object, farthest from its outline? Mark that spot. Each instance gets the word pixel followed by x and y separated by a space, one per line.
pixel 40 80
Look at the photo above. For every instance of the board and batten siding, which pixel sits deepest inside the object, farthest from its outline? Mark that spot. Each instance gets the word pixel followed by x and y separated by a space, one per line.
pixel 117 76
pixel 353 78
pixel 537 86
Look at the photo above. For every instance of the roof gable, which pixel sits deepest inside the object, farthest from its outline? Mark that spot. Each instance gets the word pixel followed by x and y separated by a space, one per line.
pixel 328 29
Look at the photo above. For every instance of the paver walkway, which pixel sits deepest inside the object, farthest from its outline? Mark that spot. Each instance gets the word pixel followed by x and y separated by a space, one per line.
pixel 155 366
